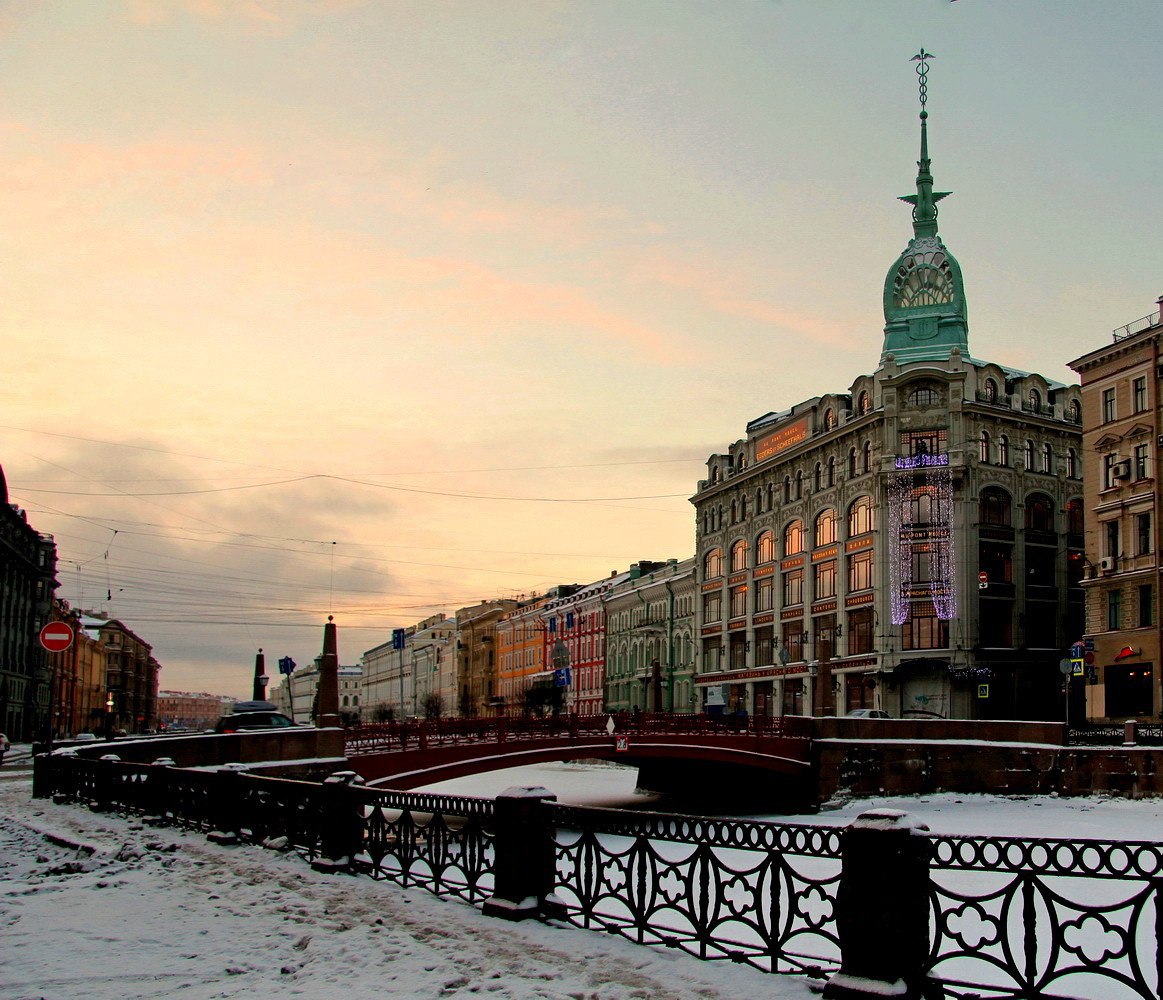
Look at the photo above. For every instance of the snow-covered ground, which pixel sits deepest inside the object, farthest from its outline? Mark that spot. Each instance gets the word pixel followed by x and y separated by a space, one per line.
pixel 97 907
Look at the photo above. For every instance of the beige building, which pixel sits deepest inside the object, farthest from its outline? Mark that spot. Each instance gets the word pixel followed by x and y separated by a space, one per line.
pixel 1121 444
pixel 477 691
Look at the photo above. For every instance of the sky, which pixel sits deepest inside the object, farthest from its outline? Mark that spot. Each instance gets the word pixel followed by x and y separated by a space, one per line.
pixel 379 310
pixel 201 920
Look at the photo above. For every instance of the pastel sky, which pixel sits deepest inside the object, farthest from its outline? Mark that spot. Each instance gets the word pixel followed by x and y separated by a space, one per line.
pixel 381 309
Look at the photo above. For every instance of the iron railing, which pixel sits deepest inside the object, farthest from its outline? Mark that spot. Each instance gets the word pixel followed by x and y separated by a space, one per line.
pixel 1009 917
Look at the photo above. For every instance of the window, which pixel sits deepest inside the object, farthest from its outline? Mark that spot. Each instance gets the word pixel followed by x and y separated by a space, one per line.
pixel 1111 534
pixel 1110 465
pixel 818 478
pixel 1141 458
pixel 1146 605
pixel 851 463
pixel 1047 459
pixel 1074 516
pixel 793 538
pixel 933 442
pixel 1029 454
pixel 865 404
pixel 1039 513
pixel 793 587
pixel 990 391
pixel 765 548
pixel 860 516
pixel 713 564
pixel 832 471
pixel 738 556
pixel 764 594
pixel 826 527
pixel 995 506
pixel 799 485
pixel 1108 405
pixel 860 632
pixel 1142 534
pixel 1071 464
pixel 712 607
pixel 793 639
pixel 1114 610
pixel 924 395
pixel 1003 450
pixel 985 448
pixel 924 630
pixel 860 571
pixel 866 461
pixel 825 579
pixel 829 419
pixel 1139 394
pixel 1074 412
pixel 738 602
pixel 1035 398
pixel 787 489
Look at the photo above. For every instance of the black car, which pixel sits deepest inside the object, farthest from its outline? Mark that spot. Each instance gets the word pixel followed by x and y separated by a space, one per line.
pixel 253 715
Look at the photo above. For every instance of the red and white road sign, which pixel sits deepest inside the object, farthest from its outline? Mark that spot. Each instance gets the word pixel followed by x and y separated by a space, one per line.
pixel 56 637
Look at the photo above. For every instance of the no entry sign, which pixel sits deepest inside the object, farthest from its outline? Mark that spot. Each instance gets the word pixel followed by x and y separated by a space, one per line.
pixel 56 637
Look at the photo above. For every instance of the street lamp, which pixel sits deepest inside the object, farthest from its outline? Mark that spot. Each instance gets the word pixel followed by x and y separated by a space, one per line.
pixel 109 717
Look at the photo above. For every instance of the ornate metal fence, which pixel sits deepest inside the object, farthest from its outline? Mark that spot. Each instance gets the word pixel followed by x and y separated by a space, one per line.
pixel 758 893
pixel 1008 917
pixel 1046 918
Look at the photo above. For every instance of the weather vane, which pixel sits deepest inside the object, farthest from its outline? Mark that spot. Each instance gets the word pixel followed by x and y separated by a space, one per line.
pixel 922 60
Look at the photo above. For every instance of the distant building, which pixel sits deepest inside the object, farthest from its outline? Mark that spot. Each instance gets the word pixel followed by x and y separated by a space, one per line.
pixel 27 586
pixel 131 673
pixel 650 638
pixel 295 696
pixel 189 710
pixel 78 677
pixel 476 657
pixel 1121 408
pixel 415 679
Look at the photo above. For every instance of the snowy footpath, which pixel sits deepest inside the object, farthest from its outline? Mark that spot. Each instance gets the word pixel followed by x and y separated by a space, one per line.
pixel 95 907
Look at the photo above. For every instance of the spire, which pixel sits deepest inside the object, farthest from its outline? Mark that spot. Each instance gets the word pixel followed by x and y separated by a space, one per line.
pixel 924 202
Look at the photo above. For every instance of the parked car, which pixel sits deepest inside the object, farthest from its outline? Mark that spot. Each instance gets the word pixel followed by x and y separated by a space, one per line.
pixel 868 713
pixel 85 737
pixel 253 715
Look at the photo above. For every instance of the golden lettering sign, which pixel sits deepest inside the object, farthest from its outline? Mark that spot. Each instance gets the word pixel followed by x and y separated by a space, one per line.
pixel 780 440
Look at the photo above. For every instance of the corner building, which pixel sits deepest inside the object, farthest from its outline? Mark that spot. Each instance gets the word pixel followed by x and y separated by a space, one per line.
pixel 913 544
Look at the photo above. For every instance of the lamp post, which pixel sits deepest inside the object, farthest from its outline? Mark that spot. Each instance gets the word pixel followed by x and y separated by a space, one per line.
pixel 109 717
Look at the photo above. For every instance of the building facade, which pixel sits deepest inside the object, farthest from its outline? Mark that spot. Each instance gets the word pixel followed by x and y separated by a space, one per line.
pixel 576 628
pixel 131 674
pixel 912 544
pixel 27 586
pixel 178 710
pixel 78 678
pixel 1121 444
pixel 476 657
pixel 650 638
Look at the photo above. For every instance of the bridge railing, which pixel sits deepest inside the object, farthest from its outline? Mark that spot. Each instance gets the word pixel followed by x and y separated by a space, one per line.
pixel 996 917
pixel 420 734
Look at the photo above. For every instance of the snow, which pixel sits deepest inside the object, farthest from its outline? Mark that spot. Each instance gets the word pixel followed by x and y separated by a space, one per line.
pixel 97 906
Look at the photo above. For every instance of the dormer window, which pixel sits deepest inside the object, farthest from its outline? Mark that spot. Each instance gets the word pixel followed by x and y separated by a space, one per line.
pixel 829 419
pixel 990 391
pixel 864 404
pixel 924 395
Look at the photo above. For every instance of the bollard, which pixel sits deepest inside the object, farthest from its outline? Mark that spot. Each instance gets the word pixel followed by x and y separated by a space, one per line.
pixel 104 785
pixel 342 837
pixel 157 788
pixel 1130 732
pixel 882 910
pixel 227 805
pixel 43 784
pixel 524 857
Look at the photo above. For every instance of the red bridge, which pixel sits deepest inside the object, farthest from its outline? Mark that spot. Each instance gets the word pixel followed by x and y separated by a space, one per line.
pixel 671 751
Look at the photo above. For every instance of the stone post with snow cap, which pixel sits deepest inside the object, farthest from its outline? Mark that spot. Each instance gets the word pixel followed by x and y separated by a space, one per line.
pixel 882 910
pixel 524 857
pixel 327 713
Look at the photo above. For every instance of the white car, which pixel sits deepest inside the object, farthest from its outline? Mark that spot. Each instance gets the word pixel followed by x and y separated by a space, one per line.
pixel 868 713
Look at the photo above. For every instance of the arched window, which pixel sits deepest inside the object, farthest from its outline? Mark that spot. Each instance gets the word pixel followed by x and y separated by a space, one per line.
pixel 742 463
pixel 786 489
pixel 866 460
pixel 1003 450
pixel 1071 463
pixel 832 470
pixel 793 538
pixel 985 447
pixel 734 512
pixel 829 419
pixel 860 516
pixel 715 474
pixel 924 395
pixel 738 556
pixel 864 405
pixel 1074 516
pixel 826 527
pixel 1074 412
pixel 990 391
pixel 713 564
pixel 1047 458
pixel 851 463
pixel 1039 512
pixel 800 485
pixel 1029 454
pixel 818 478
pixel 1035 398
pixel 995 507
pixel 765 548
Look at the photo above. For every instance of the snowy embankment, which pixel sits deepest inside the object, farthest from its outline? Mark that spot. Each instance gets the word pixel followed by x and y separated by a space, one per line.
pixel 100 907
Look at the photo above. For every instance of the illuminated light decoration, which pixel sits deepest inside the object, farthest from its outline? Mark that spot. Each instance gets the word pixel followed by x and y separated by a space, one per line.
pixel 933 538
pixel 900 555
pixel 941 561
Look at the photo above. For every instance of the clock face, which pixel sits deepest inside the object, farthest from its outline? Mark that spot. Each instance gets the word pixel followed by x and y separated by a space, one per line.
pixel 923 278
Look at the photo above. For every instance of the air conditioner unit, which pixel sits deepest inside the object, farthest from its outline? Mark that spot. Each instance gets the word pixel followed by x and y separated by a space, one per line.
pixel 1122 470
pixel 1107 564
